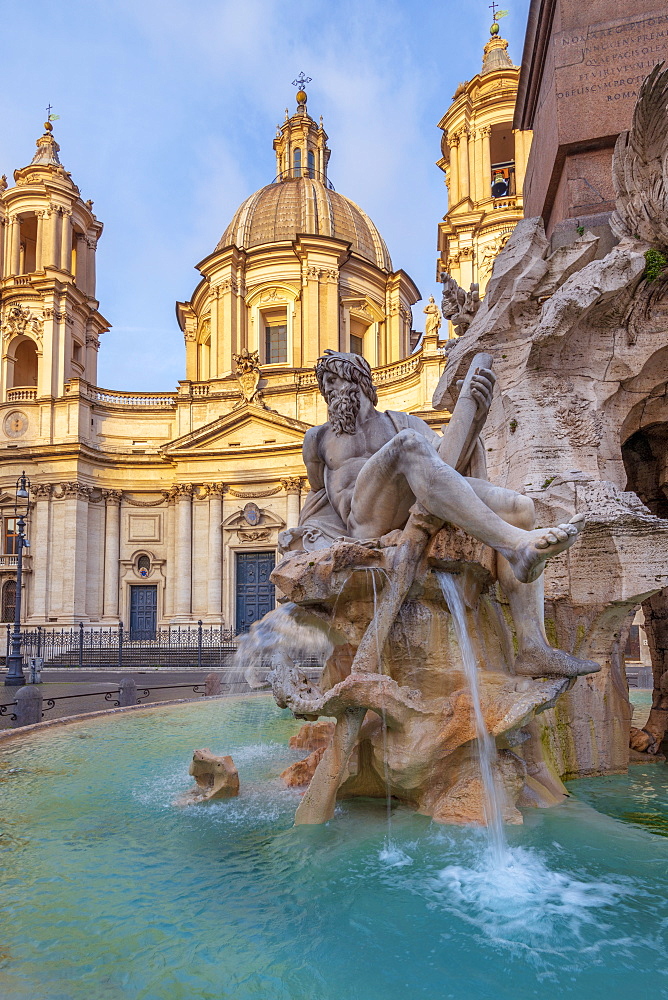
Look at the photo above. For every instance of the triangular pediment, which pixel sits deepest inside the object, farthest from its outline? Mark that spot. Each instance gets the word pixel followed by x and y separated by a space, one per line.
pixel 248 428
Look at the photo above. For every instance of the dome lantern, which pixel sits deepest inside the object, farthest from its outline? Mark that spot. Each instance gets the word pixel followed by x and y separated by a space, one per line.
pixel 300 144
pixel 301 199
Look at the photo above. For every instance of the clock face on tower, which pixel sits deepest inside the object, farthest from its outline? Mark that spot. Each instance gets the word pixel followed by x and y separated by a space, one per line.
pixel 15 424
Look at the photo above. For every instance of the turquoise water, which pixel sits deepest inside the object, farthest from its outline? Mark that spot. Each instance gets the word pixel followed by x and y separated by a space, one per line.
pixel 641 701
pixel 108 891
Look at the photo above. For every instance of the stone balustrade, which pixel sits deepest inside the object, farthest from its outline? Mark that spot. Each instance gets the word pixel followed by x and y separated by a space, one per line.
pixel 22 394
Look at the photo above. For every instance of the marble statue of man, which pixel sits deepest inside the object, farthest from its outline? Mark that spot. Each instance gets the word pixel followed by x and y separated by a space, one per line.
pixel 367 468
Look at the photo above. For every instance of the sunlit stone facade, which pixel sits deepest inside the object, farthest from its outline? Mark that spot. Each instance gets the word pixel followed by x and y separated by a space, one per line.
pixel 177 498
pixel 484 161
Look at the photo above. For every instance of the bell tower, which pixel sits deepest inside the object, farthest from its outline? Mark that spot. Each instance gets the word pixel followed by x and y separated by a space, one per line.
pixel 484 161
pixel 49 320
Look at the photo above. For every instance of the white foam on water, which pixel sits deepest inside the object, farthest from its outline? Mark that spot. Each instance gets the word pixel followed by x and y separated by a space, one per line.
pixel 523 903
pixel 256 751
pixel 162 790
pixel 393 857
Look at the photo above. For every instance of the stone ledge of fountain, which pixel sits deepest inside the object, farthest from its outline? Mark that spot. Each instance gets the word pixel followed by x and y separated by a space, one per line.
pixel 418 739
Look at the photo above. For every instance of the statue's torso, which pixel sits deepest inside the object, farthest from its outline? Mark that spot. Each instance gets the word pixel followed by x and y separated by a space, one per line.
pixel 344 455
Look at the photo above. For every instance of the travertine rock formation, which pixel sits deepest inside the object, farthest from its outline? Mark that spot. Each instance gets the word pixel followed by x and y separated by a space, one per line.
pixel 581 351
pixel 216 778
pixel 418 736
pixel 312 736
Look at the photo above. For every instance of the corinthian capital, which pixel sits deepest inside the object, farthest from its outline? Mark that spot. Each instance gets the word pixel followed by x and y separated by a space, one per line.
pixel 41 491
pixel 112 497
pixel 292 484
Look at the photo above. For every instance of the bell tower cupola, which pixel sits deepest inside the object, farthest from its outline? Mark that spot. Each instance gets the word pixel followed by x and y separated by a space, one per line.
pixel 301 144
pixel 49 319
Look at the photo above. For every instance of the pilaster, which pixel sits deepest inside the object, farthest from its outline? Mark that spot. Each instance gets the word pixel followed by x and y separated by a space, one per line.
pixel 214 594
pixel 183 568
pixel 73 564
pixel 292 487
pixel 40 550
pixel 112 554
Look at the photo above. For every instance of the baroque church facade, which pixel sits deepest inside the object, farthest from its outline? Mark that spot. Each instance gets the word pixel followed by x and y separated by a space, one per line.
pixel 165 508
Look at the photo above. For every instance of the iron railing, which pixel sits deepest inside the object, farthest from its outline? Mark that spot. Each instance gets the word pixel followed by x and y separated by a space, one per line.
pixel 117 647
pixel 111 695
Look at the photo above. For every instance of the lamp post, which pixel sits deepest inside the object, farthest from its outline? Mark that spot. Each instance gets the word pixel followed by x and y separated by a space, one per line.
pixel 15 676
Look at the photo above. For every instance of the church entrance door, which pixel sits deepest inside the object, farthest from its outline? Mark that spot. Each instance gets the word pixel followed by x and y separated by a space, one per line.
pixel 255 592
pixel 143 611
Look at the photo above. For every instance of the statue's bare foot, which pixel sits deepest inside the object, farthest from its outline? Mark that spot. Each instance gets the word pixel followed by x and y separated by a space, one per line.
pixel 529 558
pixel 544 661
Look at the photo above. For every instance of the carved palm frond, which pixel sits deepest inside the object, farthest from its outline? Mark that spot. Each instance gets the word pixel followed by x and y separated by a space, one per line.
pixel 640 166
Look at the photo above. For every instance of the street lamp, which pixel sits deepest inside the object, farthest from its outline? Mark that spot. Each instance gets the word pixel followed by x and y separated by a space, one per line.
pixel 15 676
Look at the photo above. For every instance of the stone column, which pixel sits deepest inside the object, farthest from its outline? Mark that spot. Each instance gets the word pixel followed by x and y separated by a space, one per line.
pixel 453 142
pixel 478 178
pixel 171 555
pixel 184 524
pixel 39 551
pixel 112 553
pixel 92 347
pixel 522 141
pixel 486 163
pixel 190 337
pixel 292 487
pixel 15 245
pixel 215 584
pixel 464 183
pixel 51 254
pixel 3 236
pixel 81 276
pixel 65 262
pixel 39 242
pixel 91 243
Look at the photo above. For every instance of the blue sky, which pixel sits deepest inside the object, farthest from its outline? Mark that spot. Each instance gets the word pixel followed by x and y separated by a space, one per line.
pixel 168 112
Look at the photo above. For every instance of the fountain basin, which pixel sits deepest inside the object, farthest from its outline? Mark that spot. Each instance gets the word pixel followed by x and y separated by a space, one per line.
pixel 109 891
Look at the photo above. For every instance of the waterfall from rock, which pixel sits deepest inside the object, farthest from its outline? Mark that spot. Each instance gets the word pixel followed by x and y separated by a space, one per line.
pixel 486 744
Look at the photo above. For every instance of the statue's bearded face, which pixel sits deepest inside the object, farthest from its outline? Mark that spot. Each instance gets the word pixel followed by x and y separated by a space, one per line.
pixel 343 404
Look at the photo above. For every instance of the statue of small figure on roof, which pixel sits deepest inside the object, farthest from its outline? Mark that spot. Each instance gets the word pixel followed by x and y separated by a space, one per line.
pixel 433 321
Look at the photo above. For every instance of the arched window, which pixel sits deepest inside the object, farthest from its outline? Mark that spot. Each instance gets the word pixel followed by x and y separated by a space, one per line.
pixel 297 162
pixel 25 364
pixel 311 163
pixel 9 601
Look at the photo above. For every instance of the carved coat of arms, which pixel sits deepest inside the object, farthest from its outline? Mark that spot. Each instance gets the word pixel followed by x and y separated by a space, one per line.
pixel 248 376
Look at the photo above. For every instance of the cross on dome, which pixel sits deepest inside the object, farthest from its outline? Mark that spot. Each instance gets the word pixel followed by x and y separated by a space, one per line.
pixel 301 80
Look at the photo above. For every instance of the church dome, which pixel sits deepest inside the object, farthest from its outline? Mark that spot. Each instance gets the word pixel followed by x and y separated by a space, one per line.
pixel 304 205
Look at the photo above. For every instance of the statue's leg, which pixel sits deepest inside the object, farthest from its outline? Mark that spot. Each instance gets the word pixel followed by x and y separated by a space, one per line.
pixel 381 499
pixel 535 657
